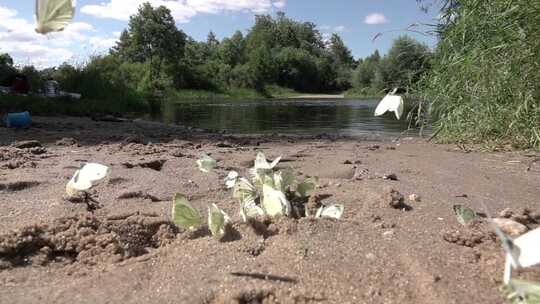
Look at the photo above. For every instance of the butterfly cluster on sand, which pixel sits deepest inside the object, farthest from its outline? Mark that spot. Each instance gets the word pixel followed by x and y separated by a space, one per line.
pixel 268 193
pixel 521 252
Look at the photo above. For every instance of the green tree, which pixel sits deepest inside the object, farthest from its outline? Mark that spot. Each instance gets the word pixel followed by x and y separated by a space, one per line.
pixel 298 69
pixel 7 70
pixel 407 61
pixel 212 43
pixel 365 71
pixel 262 67
pixel 152 37
pixel 340 52
pixel 231 50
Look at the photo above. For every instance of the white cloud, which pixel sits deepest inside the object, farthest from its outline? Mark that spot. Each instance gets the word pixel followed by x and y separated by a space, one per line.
pixel 19 39
pixel 279 4
pixel 333 29
pixel 181 10
pixel 376 18
pixel 101 44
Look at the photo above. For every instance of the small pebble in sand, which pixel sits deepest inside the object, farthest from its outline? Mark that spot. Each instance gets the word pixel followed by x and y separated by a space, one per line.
pixel 414 198
pixel 394 199
pixel 390 176
pixel 506 213
pixel 370 256
pixel 66 141
pixel 26 144
pixel 388 234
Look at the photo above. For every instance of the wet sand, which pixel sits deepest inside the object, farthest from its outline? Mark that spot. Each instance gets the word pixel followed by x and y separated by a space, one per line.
pixel 53 250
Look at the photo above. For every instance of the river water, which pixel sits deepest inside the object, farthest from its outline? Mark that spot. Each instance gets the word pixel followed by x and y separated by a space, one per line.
pixel 345 117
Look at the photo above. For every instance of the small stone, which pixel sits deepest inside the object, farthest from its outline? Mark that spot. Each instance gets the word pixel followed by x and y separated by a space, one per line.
pixel 394 199
pixel 156 164
pixel 414 198
pixel 391 176
pixel 506 213
pixel 66 141
pixel 177 153
pixel 224 144
pixel 360 174
pixel 370 256
pixel 347 162
pixel 511 227
pixel 38 150
pixel 388 234
pixel 134 139
pixel 26 144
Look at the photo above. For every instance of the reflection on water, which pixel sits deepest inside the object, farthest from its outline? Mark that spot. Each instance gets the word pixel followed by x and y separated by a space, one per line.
pixel 347 117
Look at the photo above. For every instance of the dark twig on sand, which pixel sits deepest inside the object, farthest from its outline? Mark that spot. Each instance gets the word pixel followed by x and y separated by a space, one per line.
pixel 266 277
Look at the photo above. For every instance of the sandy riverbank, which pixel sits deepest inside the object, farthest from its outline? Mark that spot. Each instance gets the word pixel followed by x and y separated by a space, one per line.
pixel 127 251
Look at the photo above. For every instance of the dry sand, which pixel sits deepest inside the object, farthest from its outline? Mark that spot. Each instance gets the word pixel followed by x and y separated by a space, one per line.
pixel 126 250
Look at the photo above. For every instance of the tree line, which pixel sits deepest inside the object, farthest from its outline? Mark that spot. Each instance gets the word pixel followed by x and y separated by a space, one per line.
pixel 153 56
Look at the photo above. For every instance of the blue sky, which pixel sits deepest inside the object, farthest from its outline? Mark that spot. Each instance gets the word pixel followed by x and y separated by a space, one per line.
pixel 97 24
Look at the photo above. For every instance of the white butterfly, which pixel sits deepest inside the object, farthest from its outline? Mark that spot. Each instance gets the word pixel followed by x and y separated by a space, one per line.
pixel 53 15
pixel 274 202
pixel 262 167
pixel 390 102
pixel 521 252
pixel 206 163
pixel 183 213
pixel 86 178
pixel 262 163
pixel 249 209
pixel 217 219
pixel 230 180
pixel 334 211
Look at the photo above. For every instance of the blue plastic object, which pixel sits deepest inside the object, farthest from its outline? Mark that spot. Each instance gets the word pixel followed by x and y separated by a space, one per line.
pixel 18 120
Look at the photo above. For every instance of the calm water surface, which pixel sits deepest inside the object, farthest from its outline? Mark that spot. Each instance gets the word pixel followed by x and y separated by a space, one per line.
pixel 347 117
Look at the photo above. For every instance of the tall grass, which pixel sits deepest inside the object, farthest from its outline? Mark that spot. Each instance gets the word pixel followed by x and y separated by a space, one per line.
pixel 485 82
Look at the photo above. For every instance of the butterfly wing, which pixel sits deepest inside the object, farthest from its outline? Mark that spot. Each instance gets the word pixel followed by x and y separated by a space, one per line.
pixel 206 163
pixel 53 15
pixel 217 219
pixel 383 106
pixel 249 209
pixel 230 180
pixel 77 184
pixel 334 211
pixel 307 186
pixel 183 214
pixel 529 248
pixel 261 162
pixel 275 202
pixel 275 162
pixel 92 172
pixel 244 190
pixel 464 215
pixel 399 105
